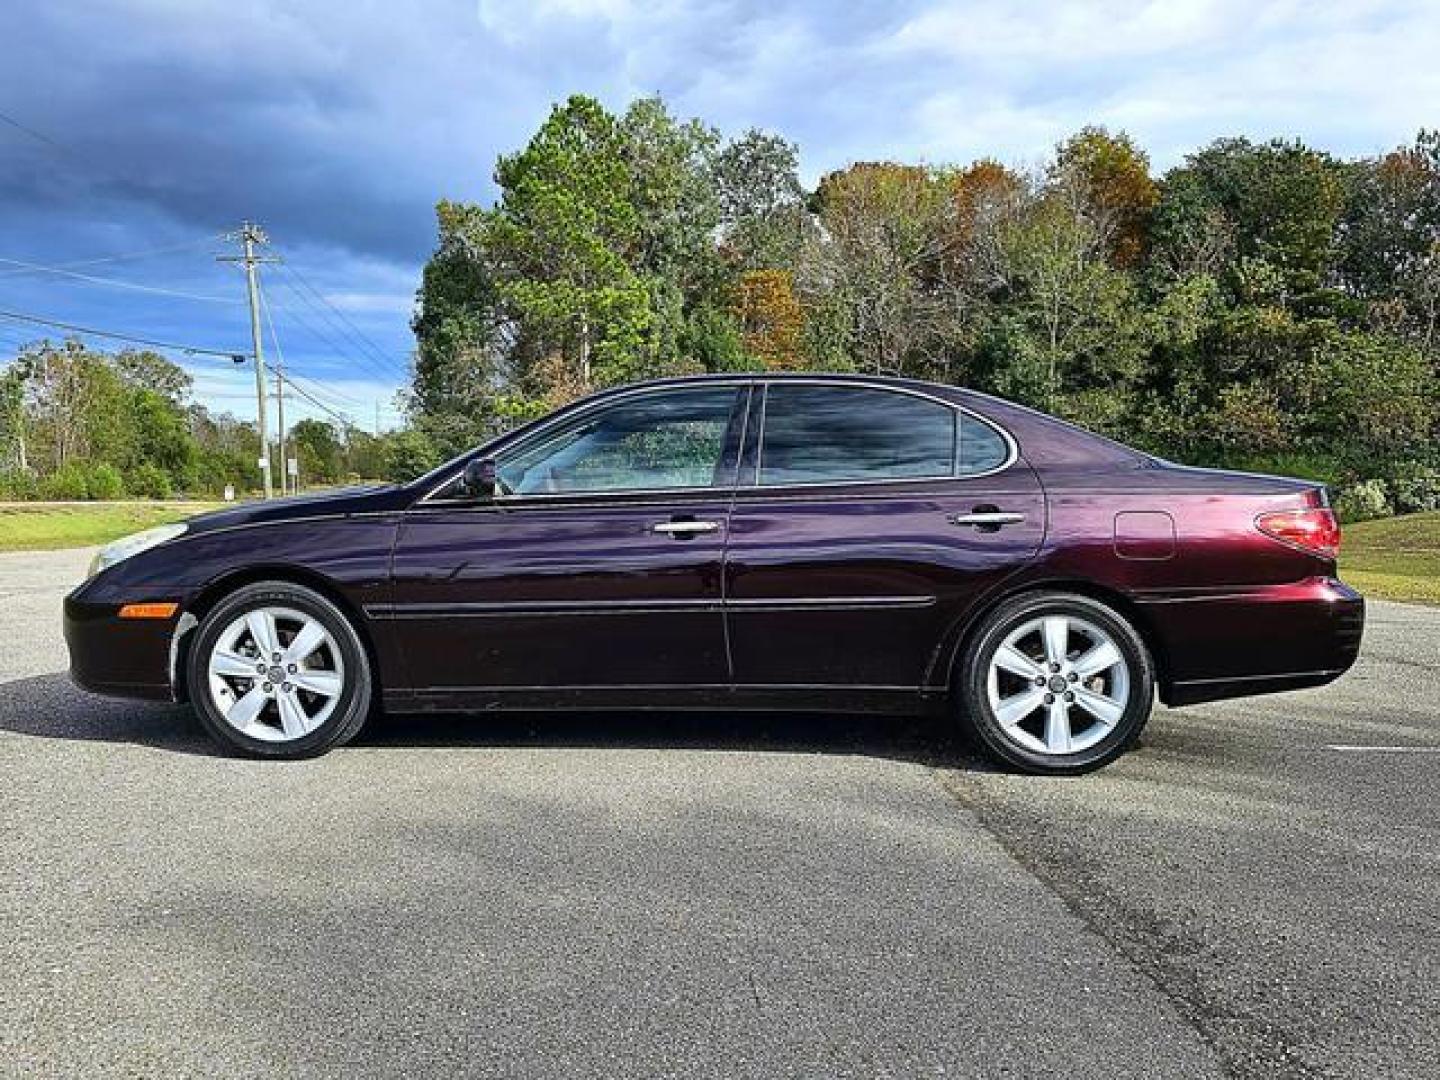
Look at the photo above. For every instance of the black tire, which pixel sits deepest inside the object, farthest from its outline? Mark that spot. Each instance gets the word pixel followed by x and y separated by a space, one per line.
pixel 972 687
pixel 354 700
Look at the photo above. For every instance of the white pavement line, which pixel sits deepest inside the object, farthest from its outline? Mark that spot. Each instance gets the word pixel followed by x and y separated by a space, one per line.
pixel 1384 749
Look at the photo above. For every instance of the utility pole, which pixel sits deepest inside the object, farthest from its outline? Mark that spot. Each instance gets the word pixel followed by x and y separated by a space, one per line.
pixel 280 411
pixel 250 235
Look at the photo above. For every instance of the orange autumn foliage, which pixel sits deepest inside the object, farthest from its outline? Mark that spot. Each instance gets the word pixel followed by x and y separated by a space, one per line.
pixel 770 318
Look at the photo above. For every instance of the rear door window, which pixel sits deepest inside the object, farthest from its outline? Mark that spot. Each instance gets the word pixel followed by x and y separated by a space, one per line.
pixel 834 434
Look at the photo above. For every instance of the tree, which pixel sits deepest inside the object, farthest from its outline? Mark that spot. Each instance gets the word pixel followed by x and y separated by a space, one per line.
pixel 1284 201
pixel 1064 328
pixel 886 231
pixel 763 220
pixel 318 450
pixel 462 333
pixel 563 238
pixel 147 370
pixel 1114 177
pixel 770 318
pixel 1390 238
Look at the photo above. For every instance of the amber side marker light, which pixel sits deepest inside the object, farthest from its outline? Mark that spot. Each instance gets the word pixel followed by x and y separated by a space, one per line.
pixel 1315 530
pixel 148 611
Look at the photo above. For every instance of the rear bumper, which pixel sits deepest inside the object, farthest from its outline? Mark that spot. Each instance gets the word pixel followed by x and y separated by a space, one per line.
pixel 115 656
pixel 1255 640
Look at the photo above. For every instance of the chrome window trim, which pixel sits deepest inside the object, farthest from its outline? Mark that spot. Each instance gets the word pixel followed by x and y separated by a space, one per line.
pixel 763 384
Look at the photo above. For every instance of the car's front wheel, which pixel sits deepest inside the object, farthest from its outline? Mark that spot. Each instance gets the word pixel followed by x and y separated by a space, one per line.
pixel 277 670
pixel 1056 683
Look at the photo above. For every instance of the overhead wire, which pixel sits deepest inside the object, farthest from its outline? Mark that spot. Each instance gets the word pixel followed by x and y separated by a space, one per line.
pixel 115 283
pixel 337 318
pixel 116 335
pixel 123 256
pixel 284 376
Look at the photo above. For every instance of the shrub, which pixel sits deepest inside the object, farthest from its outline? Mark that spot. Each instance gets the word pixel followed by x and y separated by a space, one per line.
pixel 150 481
pixel 1414 488
pixel 1362 501
pixel 69 482
pixel 18 484
pixel 103 482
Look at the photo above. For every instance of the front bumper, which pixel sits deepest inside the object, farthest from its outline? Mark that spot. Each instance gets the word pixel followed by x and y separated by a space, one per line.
pixel 115 656
pixel 1255 640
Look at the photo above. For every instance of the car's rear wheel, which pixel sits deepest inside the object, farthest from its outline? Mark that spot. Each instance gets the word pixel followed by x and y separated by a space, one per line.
pixel 277 670
pixel 1056 683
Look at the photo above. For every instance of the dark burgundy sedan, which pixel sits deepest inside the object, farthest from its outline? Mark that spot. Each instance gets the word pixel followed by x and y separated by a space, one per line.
pixel 776 542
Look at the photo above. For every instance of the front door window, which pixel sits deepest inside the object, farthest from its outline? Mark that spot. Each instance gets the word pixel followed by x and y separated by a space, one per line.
pixel 669 440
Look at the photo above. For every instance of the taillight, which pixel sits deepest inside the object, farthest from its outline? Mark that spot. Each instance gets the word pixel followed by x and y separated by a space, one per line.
pixel 1314 530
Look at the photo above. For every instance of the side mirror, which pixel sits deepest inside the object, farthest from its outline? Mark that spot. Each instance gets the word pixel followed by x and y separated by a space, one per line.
pixel 480 478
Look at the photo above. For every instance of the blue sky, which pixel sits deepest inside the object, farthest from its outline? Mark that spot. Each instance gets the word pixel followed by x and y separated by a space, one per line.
pixel 337 124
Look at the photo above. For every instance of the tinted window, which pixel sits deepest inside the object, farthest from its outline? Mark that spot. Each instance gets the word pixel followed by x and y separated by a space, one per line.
pixel 817 434
pixel 670 439
pixel 981 447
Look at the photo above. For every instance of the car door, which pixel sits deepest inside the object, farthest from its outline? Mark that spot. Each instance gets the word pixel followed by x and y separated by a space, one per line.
pixel 597 565
pixel 867 521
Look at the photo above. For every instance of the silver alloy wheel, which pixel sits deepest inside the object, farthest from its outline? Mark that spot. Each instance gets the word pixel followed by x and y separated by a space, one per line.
pixel 275 674
pixel 1057 684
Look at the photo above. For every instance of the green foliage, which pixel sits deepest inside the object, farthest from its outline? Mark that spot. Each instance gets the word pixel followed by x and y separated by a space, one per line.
pixel 317 447
pixel 103 481
pixel 81 424
pixel 148 480
pixel 19 484
pixel 409 454
pixel 1414 487
pixel 1362 501
pixel 67 483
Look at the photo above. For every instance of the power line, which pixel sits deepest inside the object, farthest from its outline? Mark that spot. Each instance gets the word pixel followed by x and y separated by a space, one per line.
pixel 321 334
pixel 124 257
pixel 268 307
pixel 90 331
pixel 337 399
pixel 344 420
pixel 355 350
pixel 349 326
pixel 115 283
pixel 18 126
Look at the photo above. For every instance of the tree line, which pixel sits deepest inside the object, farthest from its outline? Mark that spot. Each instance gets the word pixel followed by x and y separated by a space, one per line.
pixel 76 423
pixel 1259 305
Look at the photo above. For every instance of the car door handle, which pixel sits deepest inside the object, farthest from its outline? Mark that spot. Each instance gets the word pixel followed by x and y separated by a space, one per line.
pixel 685 528
pixel 983 519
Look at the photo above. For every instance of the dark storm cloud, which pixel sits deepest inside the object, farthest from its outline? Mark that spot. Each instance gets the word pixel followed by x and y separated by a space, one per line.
pixel 339 123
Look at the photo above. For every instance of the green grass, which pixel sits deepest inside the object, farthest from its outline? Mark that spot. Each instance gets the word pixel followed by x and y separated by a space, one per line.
pixel 1394 558
pixel 45 526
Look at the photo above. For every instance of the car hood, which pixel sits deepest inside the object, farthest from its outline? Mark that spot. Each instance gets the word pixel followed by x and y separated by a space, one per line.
pixel 368 499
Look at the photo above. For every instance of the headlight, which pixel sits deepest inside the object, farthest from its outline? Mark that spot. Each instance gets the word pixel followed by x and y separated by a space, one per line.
pixel 123 548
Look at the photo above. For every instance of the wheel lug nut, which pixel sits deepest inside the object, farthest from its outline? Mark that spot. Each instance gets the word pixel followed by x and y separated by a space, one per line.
pixel 275 656
pixel 260 668
pixel 286 687
pixel 267 688
pixel 1069 696
pixel 1054 666
pixel 1049 699
pixel 292 669
pixel 1073 677
pixel 1040 681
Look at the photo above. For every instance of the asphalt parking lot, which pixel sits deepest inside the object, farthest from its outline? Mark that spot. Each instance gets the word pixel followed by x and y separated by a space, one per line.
pixel 1255 892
